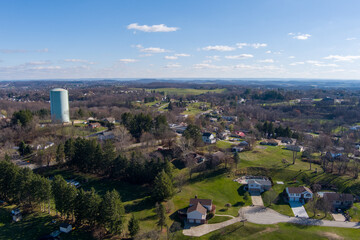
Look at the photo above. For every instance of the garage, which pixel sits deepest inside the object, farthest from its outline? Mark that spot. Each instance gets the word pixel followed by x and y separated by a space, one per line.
pixel 191 220
pixel 198 221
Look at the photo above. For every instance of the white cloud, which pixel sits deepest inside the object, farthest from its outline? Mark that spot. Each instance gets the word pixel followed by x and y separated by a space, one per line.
pixel 258 45
pixel 267 61
pixel 268 52
pixel 38 63
pixel 221 48
pixel 254 45
pixel 46 68
pixel 153 50
pixel 22 50
pixel 296 63
pixel 128 60
pixel 321 64
pixel 241 56
pixel 338 58
pixel 172 65
pixel 300 36
pixel 176 56
pixel 351 38
pixel 215 57
pixel 209 66
pixel 152 28
pixel 291 57
pixel 182 55
pixel 75 60
pixel 171 57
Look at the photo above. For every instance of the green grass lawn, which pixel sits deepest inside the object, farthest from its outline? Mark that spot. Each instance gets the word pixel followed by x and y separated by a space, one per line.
pixel 224 144
pixel 218 219
pixel 354 212
pixel 278 204
pixel 186 91
pixel 220 188
pixel 319 214
pixel 193 108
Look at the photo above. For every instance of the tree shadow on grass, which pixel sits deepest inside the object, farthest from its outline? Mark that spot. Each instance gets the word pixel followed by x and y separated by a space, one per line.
pixel 206 175
pixel 139 205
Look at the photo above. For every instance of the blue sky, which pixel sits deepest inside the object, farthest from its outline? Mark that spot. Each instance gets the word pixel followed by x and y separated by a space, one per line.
pixel 179 39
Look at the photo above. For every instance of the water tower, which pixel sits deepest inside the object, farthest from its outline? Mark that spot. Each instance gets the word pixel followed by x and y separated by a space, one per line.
pixel 59 100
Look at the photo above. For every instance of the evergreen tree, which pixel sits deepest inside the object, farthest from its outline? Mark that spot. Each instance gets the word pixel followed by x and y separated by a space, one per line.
pixel 133 226
pixel 236 159
pixel 112 212
pixel 163 187
pixel 161 216
pixel 60 154
pixel 69 149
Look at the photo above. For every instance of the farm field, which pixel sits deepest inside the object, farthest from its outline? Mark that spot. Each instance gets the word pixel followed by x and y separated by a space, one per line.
pixel 186 91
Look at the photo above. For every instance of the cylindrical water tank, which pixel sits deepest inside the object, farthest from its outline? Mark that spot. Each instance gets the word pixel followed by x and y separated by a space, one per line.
pixel 59 100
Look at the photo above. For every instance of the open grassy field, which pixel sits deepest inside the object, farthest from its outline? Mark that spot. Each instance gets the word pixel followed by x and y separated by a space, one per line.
pixel 224 144
pixel 193 108
pixel 186 91
pixel 280 231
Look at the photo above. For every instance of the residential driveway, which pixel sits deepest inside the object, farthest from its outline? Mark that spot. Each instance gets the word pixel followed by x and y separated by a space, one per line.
pixel 206 228
pixel 298 210
pixel 256 200
pixel 339 217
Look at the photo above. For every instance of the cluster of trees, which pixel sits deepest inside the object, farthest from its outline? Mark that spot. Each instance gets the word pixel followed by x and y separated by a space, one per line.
pixel 269 130
pixel 22 117
pixel 268 96
pixel 90 157
pixel 140 123
pixel 22 186
pixel 193 132
pixel 24 149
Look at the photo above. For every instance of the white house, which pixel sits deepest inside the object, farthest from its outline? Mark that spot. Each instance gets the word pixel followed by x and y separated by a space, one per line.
pixel 197 210
pixel 297 194
pixel 65 228
pixel 208 138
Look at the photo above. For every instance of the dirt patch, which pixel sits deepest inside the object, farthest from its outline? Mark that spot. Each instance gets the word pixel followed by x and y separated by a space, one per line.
pixel 332 236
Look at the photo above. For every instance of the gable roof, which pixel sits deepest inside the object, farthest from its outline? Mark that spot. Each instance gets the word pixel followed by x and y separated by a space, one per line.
pixel 260 181
pixel 338 197
pixel 301 189
pixel 194 201
pixel 65 225
pixel 207 134
pixel 198 207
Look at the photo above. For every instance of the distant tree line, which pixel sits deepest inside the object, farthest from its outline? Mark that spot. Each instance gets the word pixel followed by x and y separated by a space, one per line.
pixel 269 130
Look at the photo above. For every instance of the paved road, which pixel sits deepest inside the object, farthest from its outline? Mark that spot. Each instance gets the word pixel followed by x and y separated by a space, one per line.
pixel 262 215
pixel 298 209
